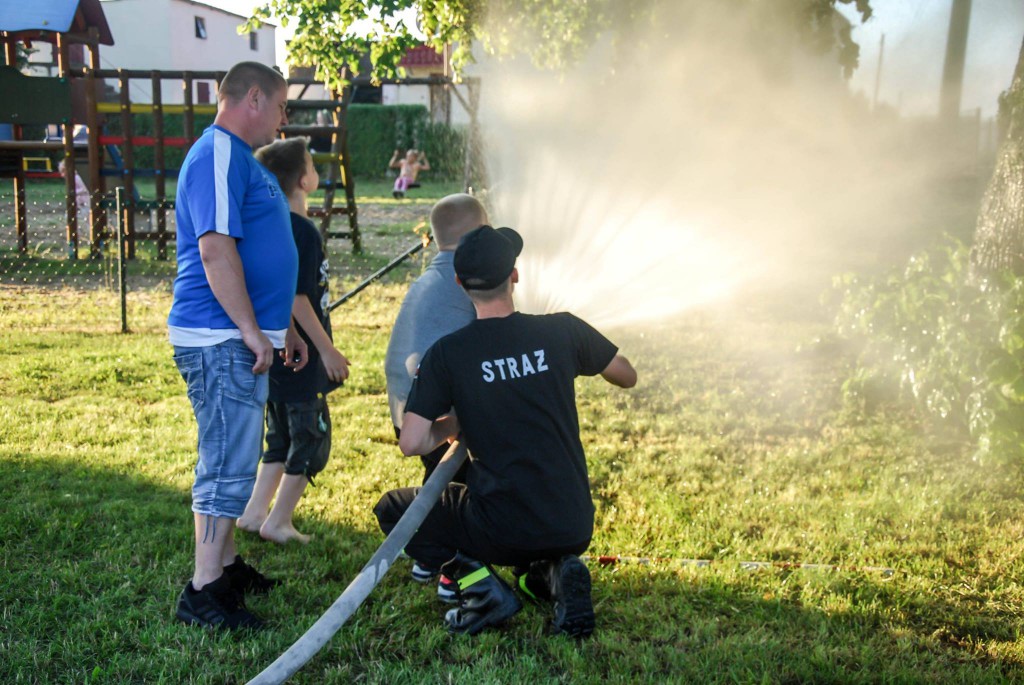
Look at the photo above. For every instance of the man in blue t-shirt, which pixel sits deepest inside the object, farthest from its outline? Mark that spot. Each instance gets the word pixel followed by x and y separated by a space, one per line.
pixel 237 269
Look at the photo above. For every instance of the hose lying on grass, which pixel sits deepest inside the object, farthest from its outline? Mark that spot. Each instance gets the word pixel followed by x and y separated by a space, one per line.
pixel 296 656
pixel 608 560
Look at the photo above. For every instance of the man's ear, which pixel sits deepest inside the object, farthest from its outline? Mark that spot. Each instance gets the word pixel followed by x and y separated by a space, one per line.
pixel 253 97
pixel 515 275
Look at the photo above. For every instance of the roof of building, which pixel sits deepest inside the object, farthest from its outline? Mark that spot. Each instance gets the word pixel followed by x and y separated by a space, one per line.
pixel 422 56
pixel 43 19
pixel 207 6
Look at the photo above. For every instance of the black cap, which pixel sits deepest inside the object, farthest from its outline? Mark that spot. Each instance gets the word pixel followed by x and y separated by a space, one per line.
pixel 486 256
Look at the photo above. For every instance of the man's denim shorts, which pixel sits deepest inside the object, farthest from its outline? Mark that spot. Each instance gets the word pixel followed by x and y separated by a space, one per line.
pixel 228 401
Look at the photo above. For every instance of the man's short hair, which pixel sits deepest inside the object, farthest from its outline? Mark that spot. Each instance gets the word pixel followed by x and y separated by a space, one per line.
pixel 454 216
pixel 485 296
pixel 286 159
pixel 244 75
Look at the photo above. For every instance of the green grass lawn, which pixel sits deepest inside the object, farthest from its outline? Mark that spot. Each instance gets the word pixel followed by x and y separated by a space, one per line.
pixel 734 446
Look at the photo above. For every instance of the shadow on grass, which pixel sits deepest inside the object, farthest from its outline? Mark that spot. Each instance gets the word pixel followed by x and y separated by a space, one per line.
pixel 792 626
pixel 93 560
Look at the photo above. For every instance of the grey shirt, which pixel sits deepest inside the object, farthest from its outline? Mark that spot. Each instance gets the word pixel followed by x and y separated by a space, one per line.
pixel 435 306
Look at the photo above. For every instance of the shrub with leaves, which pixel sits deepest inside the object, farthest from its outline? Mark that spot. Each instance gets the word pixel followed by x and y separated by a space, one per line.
pixel 952 343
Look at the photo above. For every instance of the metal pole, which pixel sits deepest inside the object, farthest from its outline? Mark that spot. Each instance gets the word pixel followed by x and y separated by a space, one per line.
pixel 296 656
pixel 121 274
pixel 377 274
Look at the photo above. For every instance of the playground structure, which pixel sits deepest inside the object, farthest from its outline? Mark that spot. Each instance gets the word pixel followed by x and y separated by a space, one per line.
pixel 74 97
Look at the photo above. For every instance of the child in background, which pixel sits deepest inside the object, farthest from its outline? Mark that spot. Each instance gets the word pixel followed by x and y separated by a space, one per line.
pixel 411 165
pixel 81 190
pixel 298 424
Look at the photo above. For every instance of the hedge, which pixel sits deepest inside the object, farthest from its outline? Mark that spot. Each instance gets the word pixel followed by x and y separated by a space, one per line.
pixel 374 133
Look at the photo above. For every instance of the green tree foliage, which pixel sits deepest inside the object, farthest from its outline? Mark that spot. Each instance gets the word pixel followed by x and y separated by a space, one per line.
pixel 554 33
pixel 952 344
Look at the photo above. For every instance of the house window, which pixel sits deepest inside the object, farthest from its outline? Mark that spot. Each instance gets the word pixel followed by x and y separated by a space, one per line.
pixel 203 92
pixel 253 41
pixel 200 28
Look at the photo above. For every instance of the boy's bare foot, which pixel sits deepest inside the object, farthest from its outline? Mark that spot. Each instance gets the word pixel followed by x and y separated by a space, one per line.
pixel 251 524
pixel 283 535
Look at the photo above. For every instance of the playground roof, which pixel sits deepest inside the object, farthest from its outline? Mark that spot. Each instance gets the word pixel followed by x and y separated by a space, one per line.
pixel 43 19
pixel 422 56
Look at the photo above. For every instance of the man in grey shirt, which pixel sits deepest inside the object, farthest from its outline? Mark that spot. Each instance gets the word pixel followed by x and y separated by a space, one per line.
pixel 435 306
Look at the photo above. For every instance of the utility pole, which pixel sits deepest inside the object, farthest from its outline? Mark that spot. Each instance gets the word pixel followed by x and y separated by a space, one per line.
pixel 878 73
pixel 956 53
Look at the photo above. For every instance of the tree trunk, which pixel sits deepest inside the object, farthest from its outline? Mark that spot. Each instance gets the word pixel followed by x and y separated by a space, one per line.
pixel 999 235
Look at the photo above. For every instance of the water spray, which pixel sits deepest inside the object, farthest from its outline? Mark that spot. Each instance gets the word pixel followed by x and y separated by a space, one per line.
pixel 296 656
pixel 610 560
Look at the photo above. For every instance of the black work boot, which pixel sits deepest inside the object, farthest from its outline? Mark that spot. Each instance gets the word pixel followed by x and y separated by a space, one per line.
pixel 570 590
pixel 484 598
pixel 534 580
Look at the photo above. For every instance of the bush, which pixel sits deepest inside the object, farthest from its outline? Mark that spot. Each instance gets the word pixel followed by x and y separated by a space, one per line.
pixel 952 344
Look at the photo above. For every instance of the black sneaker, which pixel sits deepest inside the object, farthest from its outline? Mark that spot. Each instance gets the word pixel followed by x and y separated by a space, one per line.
pixel 217 605
pixel 447 590
pixel 247 580
pixel 422 573
pixel 570 589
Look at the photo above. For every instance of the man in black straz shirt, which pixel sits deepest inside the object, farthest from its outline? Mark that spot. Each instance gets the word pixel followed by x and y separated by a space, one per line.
pixel 507 382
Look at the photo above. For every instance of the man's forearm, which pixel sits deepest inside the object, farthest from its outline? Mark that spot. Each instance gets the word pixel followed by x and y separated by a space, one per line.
pixel 420 436
pixel 224 272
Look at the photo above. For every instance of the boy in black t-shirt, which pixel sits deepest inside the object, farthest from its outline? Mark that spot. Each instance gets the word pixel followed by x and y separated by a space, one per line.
pixel 510 379
pixel 298 423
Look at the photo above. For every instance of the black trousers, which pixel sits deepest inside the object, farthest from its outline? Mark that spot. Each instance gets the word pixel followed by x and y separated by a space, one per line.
pixel 450 527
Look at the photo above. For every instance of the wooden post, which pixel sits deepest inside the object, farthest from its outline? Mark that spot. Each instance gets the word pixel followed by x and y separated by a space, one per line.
pixel 124 210
pixel 128 162
pixel 341 120
pixel 21 210
pixel 97 215
pixel 159 168
pixel 20 215
pixel 188 123
pixel 332 177
pixel 70 199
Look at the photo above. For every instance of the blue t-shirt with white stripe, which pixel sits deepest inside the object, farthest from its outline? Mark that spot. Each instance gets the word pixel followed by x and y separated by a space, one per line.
pixel 222 188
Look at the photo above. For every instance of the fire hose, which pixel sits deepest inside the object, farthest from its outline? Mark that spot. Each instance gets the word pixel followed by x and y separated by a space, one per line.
pixel 378 274
pixel 296 656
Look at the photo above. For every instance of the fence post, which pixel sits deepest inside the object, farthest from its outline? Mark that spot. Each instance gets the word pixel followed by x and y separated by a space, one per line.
pixel 122 279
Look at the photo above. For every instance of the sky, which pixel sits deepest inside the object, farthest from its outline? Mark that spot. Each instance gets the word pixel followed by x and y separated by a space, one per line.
pixel 915 41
